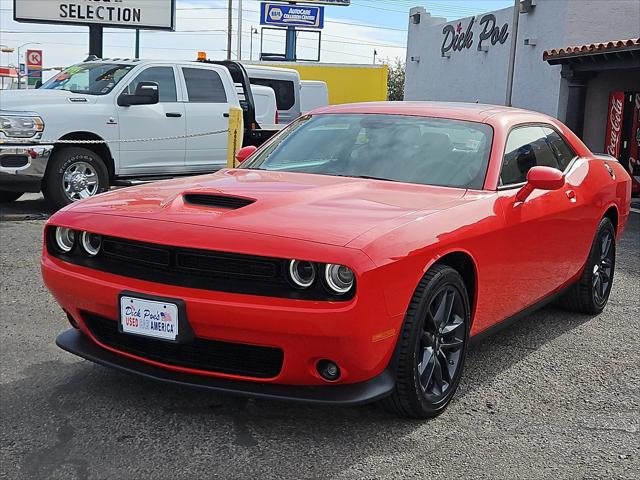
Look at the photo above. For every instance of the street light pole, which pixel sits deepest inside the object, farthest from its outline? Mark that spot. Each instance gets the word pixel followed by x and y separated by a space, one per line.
pixel 229 27
pixel 254 31
pixel 239 30
pixel 25 63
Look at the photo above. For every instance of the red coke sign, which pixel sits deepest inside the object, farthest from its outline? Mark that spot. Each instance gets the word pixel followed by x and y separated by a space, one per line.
pixel 613 137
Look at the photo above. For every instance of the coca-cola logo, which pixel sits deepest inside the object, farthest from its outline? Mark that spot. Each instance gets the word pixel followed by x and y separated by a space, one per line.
pixel 615 121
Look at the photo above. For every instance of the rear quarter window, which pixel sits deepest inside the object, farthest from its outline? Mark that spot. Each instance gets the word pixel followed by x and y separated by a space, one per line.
pixel 284 89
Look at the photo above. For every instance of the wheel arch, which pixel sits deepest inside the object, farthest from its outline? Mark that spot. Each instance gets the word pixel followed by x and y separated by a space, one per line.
pixel 463 262
pixel 612 214
pixel 101 149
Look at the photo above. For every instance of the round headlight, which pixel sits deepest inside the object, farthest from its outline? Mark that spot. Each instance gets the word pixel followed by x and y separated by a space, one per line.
pixel 339 278
pixel 91 242
pixel 302 273
pixel 65 238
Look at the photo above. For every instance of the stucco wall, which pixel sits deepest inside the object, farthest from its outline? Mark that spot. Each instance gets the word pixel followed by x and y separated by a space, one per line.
pixel 472 75
pixel 597 102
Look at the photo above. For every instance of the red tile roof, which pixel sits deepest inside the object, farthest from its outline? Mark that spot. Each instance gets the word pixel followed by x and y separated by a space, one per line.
pixel 592 48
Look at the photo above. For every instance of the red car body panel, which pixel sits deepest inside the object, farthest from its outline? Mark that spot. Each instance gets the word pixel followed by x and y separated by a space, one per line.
pixel 389 234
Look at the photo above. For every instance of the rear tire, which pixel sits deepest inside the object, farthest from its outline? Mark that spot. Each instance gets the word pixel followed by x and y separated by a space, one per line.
pixel 74 173
pixel 590 293
pixel 432 345
pixel 8 197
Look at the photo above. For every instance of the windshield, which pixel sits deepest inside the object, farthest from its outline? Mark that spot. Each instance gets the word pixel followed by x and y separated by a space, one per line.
pixel 89 78
pixel 423 150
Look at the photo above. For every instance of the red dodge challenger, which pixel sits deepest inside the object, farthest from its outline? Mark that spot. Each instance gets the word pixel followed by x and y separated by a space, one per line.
pixel 350 259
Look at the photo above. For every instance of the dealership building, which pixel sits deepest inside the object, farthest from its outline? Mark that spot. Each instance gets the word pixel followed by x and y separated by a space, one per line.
pixel 574 59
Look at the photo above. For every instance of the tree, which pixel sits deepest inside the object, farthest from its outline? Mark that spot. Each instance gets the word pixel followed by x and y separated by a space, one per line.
pixel 395 84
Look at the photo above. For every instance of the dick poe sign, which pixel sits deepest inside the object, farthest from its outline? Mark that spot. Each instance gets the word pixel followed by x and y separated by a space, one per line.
pixel 148 14
pixel 279 15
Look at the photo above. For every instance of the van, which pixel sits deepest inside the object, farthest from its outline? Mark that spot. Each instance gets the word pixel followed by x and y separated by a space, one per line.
pixel 313 94
pixel 264 99
pixel 285 82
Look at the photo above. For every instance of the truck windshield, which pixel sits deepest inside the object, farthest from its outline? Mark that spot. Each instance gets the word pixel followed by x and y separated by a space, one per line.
pixel 400 148
pixel 89 78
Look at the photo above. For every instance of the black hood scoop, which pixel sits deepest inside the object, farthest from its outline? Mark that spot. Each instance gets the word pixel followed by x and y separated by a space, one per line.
pixel 225 202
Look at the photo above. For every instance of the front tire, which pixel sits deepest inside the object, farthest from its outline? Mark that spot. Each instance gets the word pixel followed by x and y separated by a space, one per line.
pixel 8 197
pixel 432 345
pixel 590 293
pixel 74 174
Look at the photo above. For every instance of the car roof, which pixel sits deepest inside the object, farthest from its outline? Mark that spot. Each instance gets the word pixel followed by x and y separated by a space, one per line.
pixel 268 68
pixel 476 112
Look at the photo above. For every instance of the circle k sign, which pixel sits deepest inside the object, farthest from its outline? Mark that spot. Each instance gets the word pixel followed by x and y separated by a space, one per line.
pixel 34 57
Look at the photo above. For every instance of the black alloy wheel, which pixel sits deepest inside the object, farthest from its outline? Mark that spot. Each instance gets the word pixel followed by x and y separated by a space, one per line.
pixel 603 268
pixel 591 291
pixel 441 344
pixel 432 345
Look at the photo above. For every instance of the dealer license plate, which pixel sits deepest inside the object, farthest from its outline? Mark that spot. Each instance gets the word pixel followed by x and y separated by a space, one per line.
pixel 149 318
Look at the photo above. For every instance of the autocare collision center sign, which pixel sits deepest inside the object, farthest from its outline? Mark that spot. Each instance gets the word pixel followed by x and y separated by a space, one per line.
pixel 150 14
pixel 291 15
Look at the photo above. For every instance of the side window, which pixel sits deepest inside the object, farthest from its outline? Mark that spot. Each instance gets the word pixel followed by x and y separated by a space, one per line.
pixel 562 151
pixel 204 86
pixel 526 148
pixel 285 91
pixel 165 79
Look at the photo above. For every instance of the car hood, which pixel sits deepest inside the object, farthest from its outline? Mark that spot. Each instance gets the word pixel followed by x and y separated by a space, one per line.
pixel 35 100
pixel 318 208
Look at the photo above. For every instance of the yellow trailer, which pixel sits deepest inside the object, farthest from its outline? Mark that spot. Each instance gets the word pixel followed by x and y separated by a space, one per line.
pixel 346 83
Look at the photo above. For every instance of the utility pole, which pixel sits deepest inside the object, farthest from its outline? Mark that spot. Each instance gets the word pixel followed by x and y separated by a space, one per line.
pixel 512 55
pixel 239 30
pixel 229 27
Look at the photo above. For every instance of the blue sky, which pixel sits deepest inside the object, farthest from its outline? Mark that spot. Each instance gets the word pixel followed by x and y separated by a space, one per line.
pixel 350 36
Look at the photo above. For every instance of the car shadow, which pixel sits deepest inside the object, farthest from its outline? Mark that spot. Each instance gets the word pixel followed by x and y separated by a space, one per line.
pixel 30 206
pixel 93 400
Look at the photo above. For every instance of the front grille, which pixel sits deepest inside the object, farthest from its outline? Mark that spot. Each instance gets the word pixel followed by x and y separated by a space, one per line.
pixel 13 161
pixel 217 201
pixel 194 268
pixel 134 252
pixel 199 354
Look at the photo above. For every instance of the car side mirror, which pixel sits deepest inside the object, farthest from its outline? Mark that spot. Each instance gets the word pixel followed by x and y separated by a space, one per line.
pixel 147 93
pixel 541 178
pixel 245 152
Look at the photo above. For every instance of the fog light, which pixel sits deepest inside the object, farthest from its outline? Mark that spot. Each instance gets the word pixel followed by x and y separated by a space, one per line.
pixel 91 243
pixel 65 238
pixel 328 370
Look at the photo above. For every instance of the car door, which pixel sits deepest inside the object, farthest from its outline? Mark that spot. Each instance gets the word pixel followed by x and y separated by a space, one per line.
pixel 536 242
pixel 207 110
pixel 142 123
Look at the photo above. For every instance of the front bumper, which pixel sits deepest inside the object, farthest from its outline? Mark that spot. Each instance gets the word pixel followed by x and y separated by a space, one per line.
pixel 73 341
pixel 22 167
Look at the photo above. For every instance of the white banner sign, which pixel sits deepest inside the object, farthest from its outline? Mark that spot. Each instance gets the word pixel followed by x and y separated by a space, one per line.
pixel 151 14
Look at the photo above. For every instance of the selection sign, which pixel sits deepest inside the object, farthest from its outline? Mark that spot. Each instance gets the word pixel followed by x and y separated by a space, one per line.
pixel 280 15
pixel 152 14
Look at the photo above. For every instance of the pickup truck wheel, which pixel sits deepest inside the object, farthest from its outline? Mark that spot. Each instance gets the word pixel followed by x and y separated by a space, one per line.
pixel 6 196
pixel 74 173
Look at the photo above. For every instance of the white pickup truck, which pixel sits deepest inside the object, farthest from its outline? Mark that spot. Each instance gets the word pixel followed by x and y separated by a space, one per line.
pixel 109 122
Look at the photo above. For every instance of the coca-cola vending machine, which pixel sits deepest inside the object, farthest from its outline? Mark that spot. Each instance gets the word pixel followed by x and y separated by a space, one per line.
pixel 622 139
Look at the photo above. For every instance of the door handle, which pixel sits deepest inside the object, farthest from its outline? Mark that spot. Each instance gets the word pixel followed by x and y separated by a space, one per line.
pixel 173 114
pixel 571 195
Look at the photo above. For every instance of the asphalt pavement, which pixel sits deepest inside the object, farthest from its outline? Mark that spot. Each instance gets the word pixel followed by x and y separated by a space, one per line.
pixel 556 395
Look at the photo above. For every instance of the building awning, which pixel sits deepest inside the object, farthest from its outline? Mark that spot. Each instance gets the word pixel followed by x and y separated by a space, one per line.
pixel 620 51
